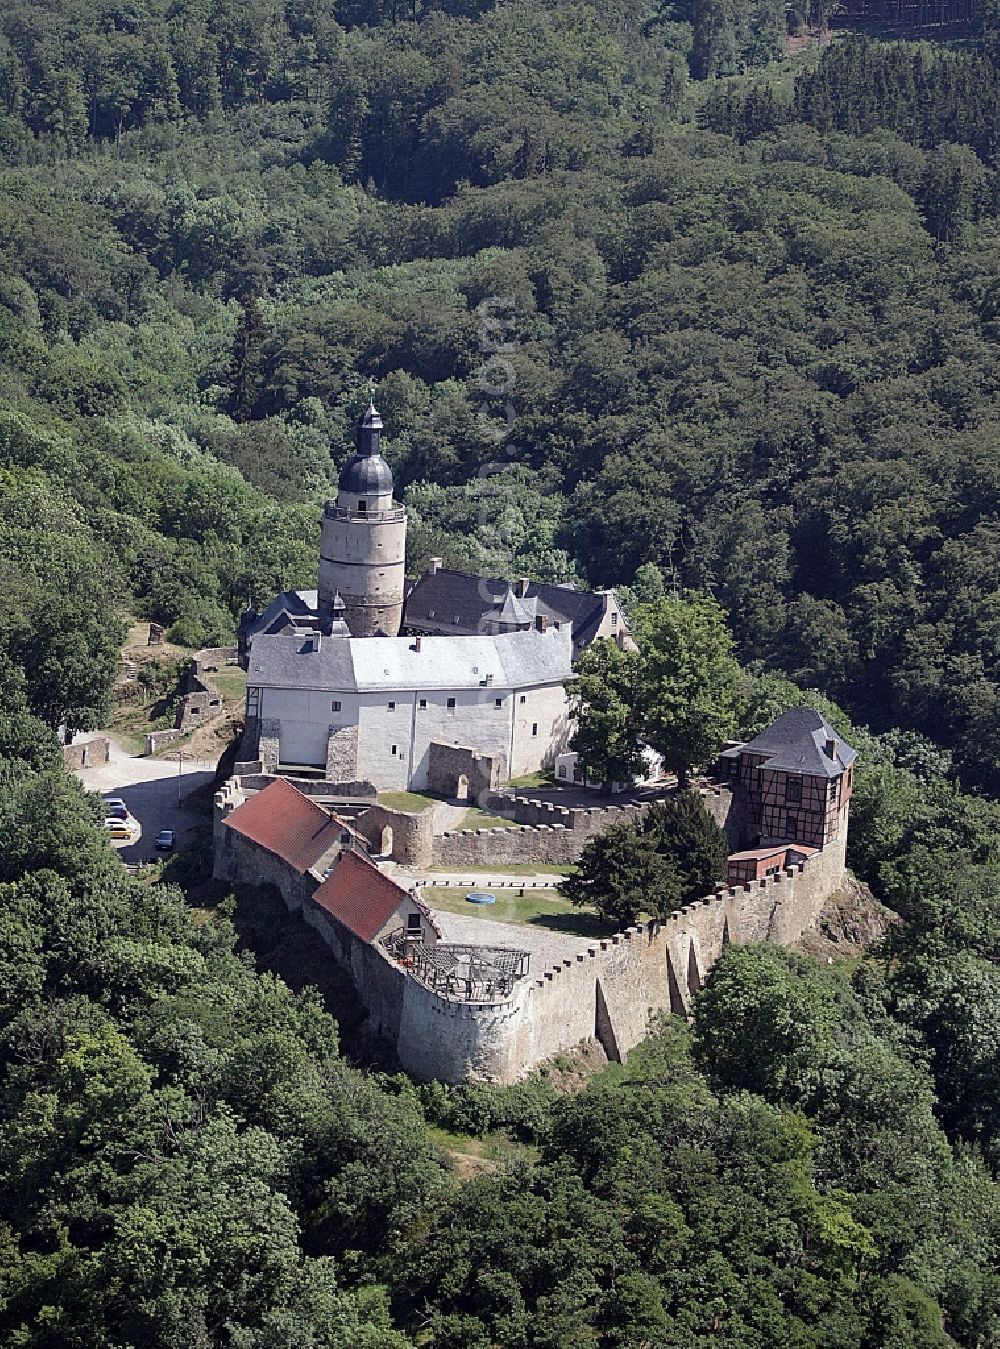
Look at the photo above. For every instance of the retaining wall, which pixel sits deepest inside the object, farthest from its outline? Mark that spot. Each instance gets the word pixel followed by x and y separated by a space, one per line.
pixel 554 835
pixel 155 740
pixel 549 845
pixel 412 834
pixel 88 754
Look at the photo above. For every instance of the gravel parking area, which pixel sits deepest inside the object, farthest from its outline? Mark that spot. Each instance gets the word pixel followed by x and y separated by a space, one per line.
pixel 155 792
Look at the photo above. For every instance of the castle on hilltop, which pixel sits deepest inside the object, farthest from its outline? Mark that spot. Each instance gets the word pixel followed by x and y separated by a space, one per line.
pixel 457 683
pixel 356 680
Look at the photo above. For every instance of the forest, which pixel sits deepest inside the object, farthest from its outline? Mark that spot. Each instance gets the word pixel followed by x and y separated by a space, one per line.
pixel 648 303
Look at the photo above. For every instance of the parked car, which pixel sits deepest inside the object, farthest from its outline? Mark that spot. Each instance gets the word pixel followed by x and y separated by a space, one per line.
pixel 116 812
pixel 118 829
pixel 115 801
pixel 165 840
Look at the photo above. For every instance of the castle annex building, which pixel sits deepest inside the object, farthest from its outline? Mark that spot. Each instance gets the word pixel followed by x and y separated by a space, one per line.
pixel 357 679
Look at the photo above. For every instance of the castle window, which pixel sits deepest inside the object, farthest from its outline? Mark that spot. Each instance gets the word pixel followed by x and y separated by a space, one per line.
pixel 451 704
pixel 335 705
pixel 793 789
pixel 362 507
pixel 394 751
pixel 521 699
pixel 423 702
pixel 413 922
pixel 534 728
pixel 498 702
pixel 562 770
pixel 614 618
pixel 392 707
pixel 792 824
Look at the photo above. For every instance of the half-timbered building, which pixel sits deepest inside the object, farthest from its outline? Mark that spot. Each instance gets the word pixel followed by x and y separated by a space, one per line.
pixel 795 778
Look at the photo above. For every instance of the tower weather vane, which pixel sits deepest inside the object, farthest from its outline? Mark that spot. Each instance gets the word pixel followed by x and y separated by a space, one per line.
pixel 372 386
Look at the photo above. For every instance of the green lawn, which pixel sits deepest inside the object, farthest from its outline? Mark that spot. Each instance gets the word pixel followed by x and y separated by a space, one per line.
pixel 539 779
pixel 534 908
pixel 411 802
pixel 230 681
pixel 481 819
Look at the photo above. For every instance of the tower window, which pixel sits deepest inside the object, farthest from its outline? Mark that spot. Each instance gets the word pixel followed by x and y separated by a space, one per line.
pixel 534 728
pixel 451 704
pixel 394 751
pixel 392 707
pixel 614 618
pixel 498 702
pixel 521 699
pixel 423 702
pixel 335 705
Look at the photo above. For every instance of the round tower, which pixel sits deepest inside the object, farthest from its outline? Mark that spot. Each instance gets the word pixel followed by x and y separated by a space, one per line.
pixel 362 551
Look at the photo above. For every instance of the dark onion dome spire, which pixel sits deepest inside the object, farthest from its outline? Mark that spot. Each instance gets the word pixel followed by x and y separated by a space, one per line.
pixel 367 474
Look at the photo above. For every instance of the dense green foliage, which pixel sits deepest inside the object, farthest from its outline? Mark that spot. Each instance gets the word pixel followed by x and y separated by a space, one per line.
pixel 675 854
pixel 608 345
pixel 680 692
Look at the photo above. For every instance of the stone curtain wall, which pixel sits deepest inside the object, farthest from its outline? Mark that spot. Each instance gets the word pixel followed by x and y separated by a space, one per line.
pixel 412 834
pixel 155 740
pixel 554 835
pixel 88 754
pixel 609 991
pixel 447 763
pixel 546 845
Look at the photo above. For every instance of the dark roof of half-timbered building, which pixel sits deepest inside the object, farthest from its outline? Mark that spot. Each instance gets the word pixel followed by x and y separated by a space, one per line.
pixel 797 743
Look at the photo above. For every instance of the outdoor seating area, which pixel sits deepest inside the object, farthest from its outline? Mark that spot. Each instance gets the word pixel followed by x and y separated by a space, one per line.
pixel 471 973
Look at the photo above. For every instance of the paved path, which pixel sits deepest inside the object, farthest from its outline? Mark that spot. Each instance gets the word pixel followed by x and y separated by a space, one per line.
pixel 546 948
pixel 154 791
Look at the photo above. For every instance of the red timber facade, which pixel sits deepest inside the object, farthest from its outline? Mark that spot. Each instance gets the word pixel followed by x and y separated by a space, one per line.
pixel 796 778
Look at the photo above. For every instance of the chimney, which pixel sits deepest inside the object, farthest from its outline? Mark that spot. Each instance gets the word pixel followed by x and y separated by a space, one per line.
pixel 541 622
pixel 522 586
pixel 831 749
pixel 416 643
pixel 434 566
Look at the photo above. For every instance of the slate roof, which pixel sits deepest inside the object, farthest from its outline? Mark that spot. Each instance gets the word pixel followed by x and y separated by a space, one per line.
pixel 367 475
pixel 460 601
pixel 516 660
pixel 285 610
pixel 795 743
pixel 285 822
pixel 360 896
